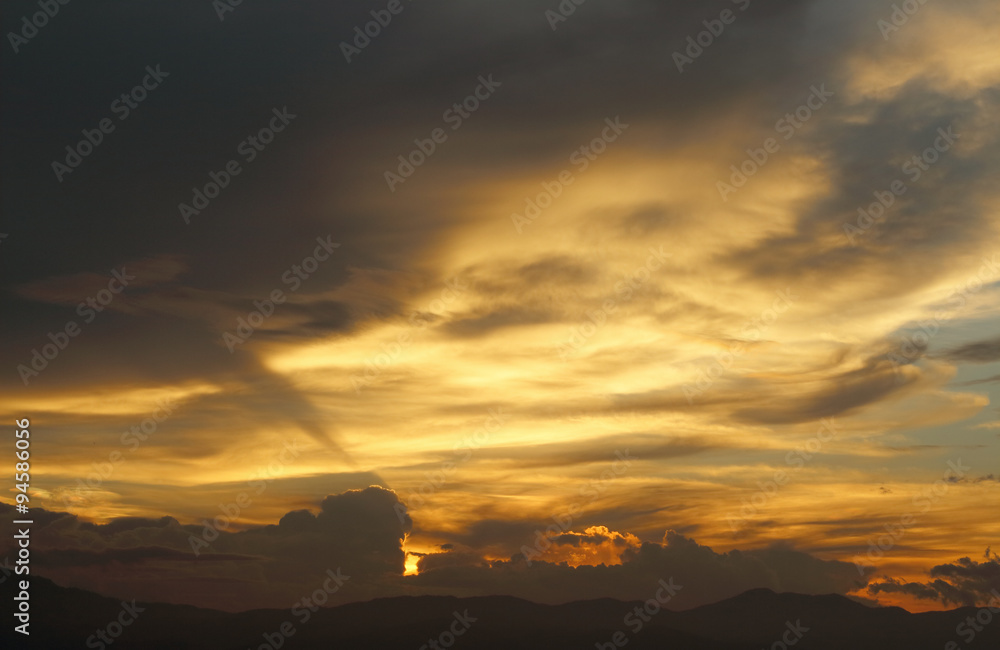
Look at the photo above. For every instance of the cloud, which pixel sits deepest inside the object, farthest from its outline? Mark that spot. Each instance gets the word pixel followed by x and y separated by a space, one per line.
pixel 841 393
pixel 362 532
pixel 980 352
pixel 799 397
pixel 828 356
pixel 497 318
pixel 985 380
pixel 449 559
pixel 936 590
pixel 77 558
pixel 595 545
pixel 963 582
pixel 706 576
pixel 645 446
pixel 75 288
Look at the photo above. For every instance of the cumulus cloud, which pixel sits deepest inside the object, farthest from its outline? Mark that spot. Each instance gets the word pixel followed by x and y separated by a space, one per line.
pixel 595 545
pixel 362 532
pixel 963 582
pixel 359 531
pixel 707 576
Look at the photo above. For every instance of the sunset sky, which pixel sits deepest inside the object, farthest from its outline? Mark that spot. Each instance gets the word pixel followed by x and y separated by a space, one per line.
pixel 643 344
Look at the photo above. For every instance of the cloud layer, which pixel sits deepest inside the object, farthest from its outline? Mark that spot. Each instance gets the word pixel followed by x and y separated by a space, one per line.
pixel 493 371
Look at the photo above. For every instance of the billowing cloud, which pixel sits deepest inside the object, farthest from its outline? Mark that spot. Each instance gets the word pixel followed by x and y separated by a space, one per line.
pixel 706 576
pixel 212 565
pixel 964 582
pixel 361 532
pixel 976 579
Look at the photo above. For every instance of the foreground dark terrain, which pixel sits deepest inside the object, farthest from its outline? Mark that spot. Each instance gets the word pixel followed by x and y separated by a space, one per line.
pixel 69 618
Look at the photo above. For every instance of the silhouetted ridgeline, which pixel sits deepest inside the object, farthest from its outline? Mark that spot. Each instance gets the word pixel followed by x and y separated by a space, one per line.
pixel 756 620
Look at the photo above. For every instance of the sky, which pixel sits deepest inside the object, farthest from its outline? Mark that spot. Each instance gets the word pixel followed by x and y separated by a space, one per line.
pixel 501 300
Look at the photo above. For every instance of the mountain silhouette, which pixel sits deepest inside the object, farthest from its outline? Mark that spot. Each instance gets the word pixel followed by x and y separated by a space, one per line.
pixel 755 620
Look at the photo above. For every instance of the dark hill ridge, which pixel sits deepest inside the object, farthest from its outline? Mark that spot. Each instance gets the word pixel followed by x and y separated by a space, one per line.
pixel 755 620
